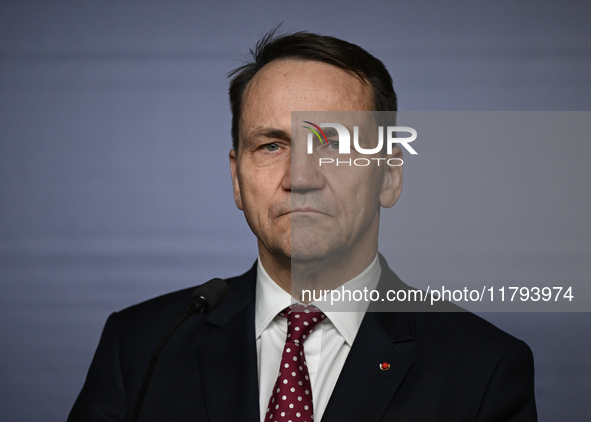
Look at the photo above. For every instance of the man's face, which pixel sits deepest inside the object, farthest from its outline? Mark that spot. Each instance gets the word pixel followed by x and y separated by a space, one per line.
pixel 297 209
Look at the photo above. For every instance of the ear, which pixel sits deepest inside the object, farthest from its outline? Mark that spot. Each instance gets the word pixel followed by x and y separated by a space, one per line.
pixel 235 182
pixel 392 183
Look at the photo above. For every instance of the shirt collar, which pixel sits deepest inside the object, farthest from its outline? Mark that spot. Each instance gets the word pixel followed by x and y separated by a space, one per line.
pixel 272 299
pixel 348 319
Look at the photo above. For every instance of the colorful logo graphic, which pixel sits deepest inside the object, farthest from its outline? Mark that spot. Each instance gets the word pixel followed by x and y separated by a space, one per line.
pixel 316 132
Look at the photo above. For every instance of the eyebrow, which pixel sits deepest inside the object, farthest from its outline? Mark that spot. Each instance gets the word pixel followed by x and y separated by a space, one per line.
pixel 269 133
pixel 330 132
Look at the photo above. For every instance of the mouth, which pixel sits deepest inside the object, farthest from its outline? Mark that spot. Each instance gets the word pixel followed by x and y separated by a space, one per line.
pixel 300 211
pixel 303 209
pixel 297 211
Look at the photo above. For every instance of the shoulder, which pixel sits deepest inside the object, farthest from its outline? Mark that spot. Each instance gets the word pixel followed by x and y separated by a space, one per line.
pixel 475 336
pixel 488 374
pixel 155 316
pixel 444 324
pixel 446 341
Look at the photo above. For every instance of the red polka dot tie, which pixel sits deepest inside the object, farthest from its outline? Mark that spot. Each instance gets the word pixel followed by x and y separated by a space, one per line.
pixel 291 399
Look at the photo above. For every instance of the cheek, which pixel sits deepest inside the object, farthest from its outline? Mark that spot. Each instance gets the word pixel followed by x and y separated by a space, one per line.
pixel 360 193
pixel 356 182
pixel 256 195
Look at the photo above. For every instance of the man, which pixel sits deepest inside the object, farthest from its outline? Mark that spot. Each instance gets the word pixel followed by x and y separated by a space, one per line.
pixel 317 229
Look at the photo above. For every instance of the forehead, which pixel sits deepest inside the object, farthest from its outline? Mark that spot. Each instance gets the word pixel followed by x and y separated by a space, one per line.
pixel 284 86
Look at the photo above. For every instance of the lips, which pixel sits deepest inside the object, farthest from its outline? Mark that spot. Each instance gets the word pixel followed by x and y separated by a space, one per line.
pixel 308 210
pixel 300 211
pixel 302 206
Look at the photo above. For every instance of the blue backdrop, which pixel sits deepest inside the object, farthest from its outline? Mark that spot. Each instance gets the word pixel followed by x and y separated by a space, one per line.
pixel 114 177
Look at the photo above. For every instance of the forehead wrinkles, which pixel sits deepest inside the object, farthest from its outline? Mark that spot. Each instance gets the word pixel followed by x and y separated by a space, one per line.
pixel 305 85
pixel 253 101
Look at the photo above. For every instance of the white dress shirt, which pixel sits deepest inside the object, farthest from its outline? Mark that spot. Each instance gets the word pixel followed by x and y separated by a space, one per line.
pixel 326 349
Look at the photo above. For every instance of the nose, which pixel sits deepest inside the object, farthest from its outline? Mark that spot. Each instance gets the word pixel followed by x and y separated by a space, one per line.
pixel 303 173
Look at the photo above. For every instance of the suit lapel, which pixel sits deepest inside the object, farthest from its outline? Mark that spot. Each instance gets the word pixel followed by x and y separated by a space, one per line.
pixel 228 357
pixel 363 391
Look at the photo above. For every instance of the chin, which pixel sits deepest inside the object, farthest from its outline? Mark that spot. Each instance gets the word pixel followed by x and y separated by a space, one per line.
pixel 309 246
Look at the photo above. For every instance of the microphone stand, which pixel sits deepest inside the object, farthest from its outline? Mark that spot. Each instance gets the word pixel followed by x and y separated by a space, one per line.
pixel 199 303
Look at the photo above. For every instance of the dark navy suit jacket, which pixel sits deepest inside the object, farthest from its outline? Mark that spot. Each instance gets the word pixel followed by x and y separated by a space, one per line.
pixel 445 366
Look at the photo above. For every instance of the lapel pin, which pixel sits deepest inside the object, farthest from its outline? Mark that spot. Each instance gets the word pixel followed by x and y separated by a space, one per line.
pixel 384 366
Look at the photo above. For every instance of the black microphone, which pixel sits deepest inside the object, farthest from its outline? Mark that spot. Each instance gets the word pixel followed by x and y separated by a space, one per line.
pixel 205 298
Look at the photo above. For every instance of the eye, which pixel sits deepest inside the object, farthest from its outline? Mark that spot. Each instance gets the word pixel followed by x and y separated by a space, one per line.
pixel 334 144
pixel 272 147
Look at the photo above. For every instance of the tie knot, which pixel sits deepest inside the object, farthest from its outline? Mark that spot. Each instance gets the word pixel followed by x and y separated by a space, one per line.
pixel 301 320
